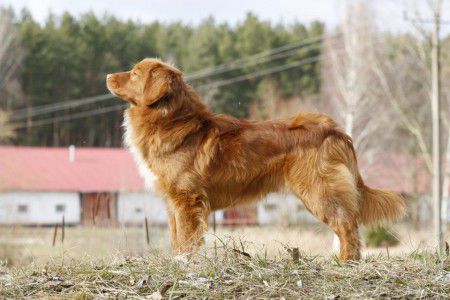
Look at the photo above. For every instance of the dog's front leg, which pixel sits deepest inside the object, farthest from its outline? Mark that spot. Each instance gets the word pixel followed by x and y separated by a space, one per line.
pixel 173 230
pixel 191 223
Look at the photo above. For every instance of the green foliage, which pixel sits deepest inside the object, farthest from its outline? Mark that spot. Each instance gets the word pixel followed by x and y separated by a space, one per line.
pixel 68 58
pixel 380 237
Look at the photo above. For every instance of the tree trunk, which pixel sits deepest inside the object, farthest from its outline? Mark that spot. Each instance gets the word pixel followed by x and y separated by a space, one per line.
pixel 446 187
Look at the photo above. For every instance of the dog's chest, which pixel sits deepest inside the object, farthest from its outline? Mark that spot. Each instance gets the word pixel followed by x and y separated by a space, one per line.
pixel 144 170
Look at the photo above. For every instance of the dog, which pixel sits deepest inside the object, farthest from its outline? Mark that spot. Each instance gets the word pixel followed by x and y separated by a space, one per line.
pixel 205 162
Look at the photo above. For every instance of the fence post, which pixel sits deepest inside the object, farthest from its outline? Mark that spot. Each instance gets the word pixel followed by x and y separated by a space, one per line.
pixel 55 233
pixel 63 229
pixel 96 206
pixel 214 230
pixel 147 235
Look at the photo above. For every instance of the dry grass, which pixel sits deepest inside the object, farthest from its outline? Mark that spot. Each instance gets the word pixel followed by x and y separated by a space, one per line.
pixel 232 274
pixel 24 245
pixel 117 263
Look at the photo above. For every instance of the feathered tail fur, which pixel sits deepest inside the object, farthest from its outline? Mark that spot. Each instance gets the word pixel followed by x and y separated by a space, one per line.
pixel 379 206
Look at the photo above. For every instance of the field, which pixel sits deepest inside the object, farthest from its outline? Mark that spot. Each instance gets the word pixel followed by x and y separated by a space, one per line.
pixel 244 262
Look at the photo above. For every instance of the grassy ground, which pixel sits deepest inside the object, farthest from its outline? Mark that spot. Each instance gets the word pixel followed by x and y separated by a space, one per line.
pixel 117 263
pixel 23 245
pixel 233 274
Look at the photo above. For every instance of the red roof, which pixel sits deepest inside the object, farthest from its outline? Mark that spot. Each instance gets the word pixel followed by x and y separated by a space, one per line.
pixel 113 169
pixel 49 169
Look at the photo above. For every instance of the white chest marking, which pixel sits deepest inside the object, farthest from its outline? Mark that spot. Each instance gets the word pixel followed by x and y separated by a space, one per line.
pixel 144 170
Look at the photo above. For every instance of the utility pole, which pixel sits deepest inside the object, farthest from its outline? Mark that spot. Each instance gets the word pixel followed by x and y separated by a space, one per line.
pixel 435 94
pixel 436 123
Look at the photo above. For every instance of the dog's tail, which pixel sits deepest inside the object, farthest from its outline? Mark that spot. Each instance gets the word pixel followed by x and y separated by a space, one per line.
pixel 379 206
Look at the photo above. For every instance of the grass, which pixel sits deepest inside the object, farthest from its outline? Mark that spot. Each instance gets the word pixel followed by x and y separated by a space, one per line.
pixel 233 274
pixel 24 245
pixel 117 263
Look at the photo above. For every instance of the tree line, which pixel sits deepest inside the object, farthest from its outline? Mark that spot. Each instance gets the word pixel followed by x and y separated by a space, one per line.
pixel 67 57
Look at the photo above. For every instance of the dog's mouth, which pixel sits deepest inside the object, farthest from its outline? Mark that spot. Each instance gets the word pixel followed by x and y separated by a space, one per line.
pixel 123 97
pixel 112 92
pixel 132 102
pixel 113 89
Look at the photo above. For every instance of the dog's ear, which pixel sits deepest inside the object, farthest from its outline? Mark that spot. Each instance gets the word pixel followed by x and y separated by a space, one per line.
pixel 162 83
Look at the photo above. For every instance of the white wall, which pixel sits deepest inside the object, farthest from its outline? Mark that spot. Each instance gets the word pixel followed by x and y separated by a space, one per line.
pixel 39 208
pixel 283 209
pixel 132 208
pixel 219 217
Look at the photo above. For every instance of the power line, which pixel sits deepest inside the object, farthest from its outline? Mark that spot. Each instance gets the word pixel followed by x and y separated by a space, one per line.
pixel 80 115
pixel 262 60
pixel 216 84
pixel 239 62
pixel 261 57
pixel 59 106
pixel 262 72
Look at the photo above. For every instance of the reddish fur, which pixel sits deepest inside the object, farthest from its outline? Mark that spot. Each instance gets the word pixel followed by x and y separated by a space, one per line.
pixel 206 161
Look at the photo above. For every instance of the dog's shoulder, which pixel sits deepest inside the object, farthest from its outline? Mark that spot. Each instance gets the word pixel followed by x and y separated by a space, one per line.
pixel 226 125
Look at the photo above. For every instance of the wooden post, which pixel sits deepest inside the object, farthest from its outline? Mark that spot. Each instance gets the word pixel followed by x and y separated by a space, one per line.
pixel 108 206
pixel 96 205
pixel 214 230
pixel 63 229
pixel 55 233
pixel 147 235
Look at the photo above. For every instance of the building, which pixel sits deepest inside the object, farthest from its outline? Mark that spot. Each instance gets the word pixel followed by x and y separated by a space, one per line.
pixel 284 209
pixel 102 186
pixel 38 186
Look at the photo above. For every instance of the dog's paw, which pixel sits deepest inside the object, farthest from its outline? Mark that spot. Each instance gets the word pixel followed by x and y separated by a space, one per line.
pixel 183 258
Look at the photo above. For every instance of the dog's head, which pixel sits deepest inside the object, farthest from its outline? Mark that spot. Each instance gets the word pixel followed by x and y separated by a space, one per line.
pixel 149 82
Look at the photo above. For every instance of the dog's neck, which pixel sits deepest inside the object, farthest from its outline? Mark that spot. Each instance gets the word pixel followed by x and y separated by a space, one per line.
pixel 156 130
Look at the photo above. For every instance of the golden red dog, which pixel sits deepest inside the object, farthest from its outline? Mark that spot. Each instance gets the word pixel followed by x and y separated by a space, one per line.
pixel 205 161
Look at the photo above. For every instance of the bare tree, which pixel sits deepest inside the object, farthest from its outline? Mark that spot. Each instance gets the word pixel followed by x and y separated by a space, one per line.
pixel 11 57
pixel 405 83
pixel 348 80
pixel 6 130
pixel 348 83
pixel 270 104
pixel 406 80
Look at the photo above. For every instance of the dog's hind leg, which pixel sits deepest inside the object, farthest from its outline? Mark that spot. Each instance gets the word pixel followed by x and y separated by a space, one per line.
pixel 335 201
pixel 345 225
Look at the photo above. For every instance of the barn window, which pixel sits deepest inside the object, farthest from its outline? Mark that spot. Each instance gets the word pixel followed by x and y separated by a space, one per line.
pixel 22 208
pixel 138 210
pixel 270 206
pixel 60 208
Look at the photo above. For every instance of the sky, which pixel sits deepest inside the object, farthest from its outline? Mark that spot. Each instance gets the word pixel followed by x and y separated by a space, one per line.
pixel 389 12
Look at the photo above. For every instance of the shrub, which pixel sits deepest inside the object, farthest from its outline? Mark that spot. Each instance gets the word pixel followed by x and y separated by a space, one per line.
pixel 380 237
